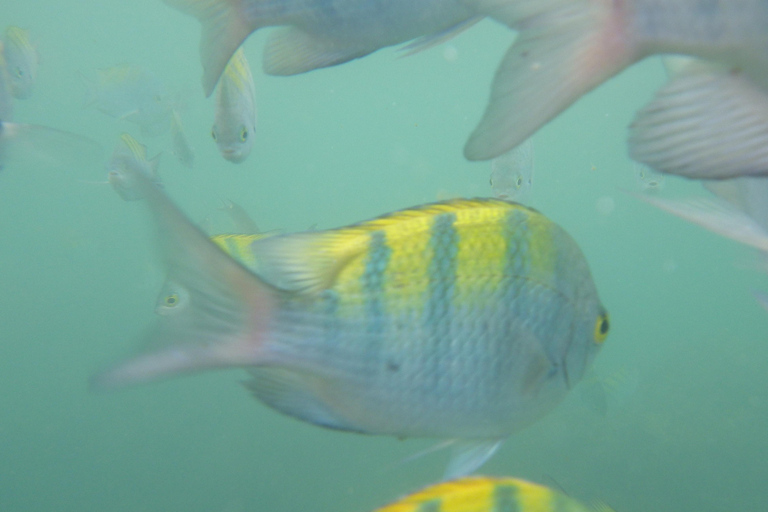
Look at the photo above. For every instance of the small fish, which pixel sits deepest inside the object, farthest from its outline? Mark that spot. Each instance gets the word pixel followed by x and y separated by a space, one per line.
pixel 468 319
pixel 235 120
pixel 30 143
pixel 512 173
pixel 128 160
pixel 316 34
pixel 21 61
pixel 565 48
pixel 6 99
pixel 489 494
pixel 134 94
pixel 242 221
pixel 181 148
pixel 605 392
pixel 648 180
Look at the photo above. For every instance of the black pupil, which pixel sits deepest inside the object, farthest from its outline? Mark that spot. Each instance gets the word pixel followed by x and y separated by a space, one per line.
pixel 604 326
pixel 171 300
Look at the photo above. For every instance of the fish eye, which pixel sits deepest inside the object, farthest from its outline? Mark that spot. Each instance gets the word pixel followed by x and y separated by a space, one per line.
pixel 602 326
pixel 213 133
pixel 171 300
pixel 519 181
pixel 243 134
pixel 19 72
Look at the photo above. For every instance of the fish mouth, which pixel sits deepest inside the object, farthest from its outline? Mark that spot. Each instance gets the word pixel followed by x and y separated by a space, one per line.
pixel 233 155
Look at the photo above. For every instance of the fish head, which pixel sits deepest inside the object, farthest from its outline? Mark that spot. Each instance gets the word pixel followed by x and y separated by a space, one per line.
pixel 21 61
pixel 234 141
pixel 172 298
pixel 588 335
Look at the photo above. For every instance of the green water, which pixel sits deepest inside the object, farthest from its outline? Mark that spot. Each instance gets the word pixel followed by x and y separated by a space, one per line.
pixel 78 281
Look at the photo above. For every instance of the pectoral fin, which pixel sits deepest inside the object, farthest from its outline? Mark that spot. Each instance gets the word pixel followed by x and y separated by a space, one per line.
pixel 469 455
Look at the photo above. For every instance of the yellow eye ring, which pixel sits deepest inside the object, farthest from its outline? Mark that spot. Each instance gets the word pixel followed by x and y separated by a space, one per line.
pixel 172 300
pixel 243 134
pixel 602 326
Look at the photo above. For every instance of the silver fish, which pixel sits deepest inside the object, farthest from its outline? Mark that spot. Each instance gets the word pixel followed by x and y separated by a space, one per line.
pixel 235 122
pixel 318 33
pixel 512 173
pixel 30 143
pixel 648 180
pixel 131 93
pixel 129 159
pixel 705 123
pixel 21 60
pixel 6 100
pixel 181 148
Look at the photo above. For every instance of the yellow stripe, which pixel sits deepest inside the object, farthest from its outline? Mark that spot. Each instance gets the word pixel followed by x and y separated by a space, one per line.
pixel 541 255
pixel 19 36
pixel 239 247
pixel 238 70
pixel 137 149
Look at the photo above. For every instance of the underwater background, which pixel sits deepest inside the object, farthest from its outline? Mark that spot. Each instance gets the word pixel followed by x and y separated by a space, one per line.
pixel 684 426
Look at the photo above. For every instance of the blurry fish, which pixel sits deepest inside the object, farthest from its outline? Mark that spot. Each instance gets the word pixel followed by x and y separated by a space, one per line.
pixel 242 221
pixel 21 60
pixel 762 298
pixel 468 319
pixel 134 94
pixel 512 173
pixel 129 159
pixel 489 494
pixel 235 122
pixel 44 145
pixel 318 34
pixel 6 100
pixel 701 124
pixel 181 148
pixel 648 180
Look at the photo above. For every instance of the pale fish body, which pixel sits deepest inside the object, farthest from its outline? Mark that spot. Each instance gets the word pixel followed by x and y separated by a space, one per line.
pixel 128 159
pixel 468 319
pixel 6 100
pixel 43 145
pixel 21 60
pixel 317 33
pixel 489 494
pixel 134 94
pixel 568 47
pixel 181 148
pixel 512 173
pixel 235 119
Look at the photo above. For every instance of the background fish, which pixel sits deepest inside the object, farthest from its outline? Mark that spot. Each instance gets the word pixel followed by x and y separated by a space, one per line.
pixel 647 180
pixel 6 100
pixel 181 148
pixel 489 494
pixel 235 123
pixel 316 36
pixel 21 61
pixel 466 320
pixel 131 93
pixel 30 143
pixel 565 48
pixel 128 160
pixel 512 173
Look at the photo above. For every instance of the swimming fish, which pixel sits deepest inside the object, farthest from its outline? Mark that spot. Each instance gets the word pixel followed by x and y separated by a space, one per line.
pixel 181 148
pixel 242 221
pixel 131 93
pixel 489 494
pixel 21 61
pixel 468 319
pixel 6 100
pixel 129 159
pixel 648 180
pixel 43 145
pixel 317 33
pixel 512 173
pixel 235 120
pixel 701 124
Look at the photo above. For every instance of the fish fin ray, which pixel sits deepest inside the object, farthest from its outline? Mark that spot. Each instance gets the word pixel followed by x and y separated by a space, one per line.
pixel 469 455
pixel 707 123
pixel 557 57
pixel 223 323
pixel 291 51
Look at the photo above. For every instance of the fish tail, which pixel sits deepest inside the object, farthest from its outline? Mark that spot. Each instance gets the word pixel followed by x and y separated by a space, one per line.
pixel 564 49
pixel 225 25
pixel 221 312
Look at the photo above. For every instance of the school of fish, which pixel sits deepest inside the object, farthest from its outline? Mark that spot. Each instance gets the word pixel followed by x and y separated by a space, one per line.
pixel 465 320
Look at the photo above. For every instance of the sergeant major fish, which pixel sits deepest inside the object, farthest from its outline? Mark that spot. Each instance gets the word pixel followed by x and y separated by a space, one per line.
pixel 235 124
pixel 21 61
pixel 489 494
pixel 566 48
pixel 467 319
pixel 319 33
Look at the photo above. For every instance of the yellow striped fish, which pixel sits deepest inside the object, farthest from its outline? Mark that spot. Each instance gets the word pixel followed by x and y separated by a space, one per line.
pixel 466 319
pixel 488 494
pixel 235 118
pixel 128 159
pixel 21 61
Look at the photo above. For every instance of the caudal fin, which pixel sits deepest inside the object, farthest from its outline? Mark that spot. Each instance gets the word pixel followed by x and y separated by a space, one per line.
pixel 224 315
pixel 564 49
pixel 224 28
